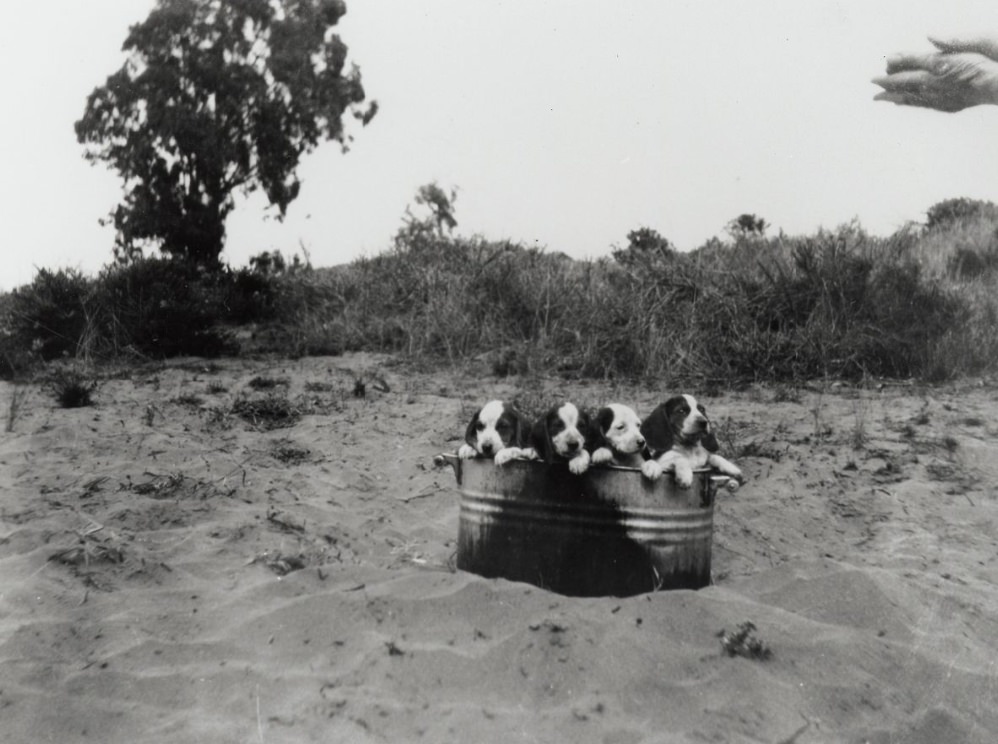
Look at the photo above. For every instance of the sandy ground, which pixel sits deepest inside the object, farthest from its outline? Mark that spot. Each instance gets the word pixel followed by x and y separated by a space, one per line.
pixel 170 572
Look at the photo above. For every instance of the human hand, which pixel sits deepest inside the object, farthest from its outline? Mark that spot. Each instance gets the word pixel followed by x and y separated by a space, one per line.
pixel 960 74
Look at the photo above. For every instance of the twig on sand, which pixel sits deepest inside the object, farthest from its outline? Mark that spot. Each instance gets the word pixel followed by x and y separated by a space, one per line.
pixel 796 734
pixel 285 520
pixel 422 493
pixel 237 467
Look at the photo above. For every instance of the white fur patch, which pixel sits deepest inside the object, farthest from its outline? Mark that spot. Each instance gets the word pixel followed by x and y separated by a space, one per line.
pixel 487 439
pixel 569 441
pixel 508 454
pixel 695 421
pixel 580 463
pixel 684 460
pixel 624 435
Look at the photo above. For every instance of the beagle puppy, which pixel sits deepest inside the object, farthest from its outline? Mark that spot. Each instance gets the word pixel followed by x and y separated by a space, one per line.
pixel 680 438
pixel 497 431
pixel 561 435
pixel 619 438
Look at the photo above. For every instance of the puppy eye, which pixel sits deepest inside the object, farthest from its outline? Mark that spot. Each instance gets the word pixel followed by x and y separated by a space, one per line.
pixel 479 426
pixel 619 426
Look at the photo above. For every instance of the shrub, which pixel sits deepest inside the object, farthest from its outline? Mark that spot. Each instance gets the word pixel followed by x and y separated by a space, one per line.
pixel 839 303
pixel 72 388
pixel 248 296
pixel 949 211
pixel 968 263
pixel 841 306
pixel 49 316
pixel 162 307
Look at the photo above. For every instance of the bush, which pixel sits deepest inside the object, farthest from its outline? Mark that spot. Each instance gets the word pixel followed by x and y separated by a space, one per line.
pixel 162 307
pixel 72 388
pixel 948 211
pixel 839 304
pixel 249 296
pixel 967 263
pixel 49 316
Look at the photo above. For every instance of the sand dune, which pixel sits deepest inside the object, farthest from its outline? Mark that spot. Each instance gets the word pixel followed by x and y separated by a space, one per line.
pixel 170 572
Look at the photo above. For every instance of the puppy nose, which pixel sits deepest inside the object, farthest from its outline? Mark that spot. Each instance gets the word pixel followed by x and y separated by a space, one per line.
pixel 641 441
pixel 487 448
pixel 572 446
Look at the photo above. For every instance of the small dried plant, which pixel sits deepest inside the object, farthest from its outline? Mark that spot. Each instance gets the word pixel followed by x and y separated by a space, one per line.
pixel 73 388
pixel 859 435
pixel 742 642
pixel 273 411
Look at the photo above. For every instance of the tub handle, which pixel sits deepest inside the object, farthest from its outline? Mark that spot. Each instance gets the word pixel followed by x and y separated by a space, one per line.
pixel 444 459
pixel 725 481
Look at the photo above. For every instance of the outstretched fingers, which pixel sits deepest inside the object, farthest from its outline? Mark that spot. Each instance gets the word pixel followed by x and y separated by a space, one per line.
pixel 980 44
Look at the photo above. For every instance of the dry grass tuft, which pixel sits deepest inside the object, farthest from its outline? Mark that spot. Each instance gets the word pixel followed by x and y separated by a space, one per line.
pixel 268 383
pixel 742 642
pixel 273 411
pixel 72 388
pixel 288 453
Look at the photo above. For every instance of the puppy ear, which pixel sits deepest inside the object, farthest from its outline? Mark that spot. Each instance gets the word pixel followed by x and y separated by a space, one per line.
pixel 708 440
pixel 540 440
pixel 596 428
pixel 657 431
pixel 604 418
pixel 521 429
pixel 471 432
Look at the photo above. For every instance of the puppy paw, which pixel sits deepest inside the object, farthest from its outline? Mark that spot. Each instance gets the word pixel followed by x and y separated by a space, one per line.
pixel 684 477
pixel 579 464
pixel 602 456
pixel 651 470
pixel 506 454
pixel 466 452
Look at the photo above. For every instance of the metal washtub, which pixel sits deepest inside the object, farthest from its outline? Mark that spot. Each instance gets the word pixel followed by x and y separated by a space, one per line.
pixel 607 532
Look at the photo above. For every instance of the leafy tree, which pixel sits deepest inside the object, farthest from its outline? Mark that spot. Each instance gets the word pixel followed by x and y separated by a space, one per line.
pixel 747 226
pixel 217 95
pixel 435 227
pixel 440 205
pixel 645 246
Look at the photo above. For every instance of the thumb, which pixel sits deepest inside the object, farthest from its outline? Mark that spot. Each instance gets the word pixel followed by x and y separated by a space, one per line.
pixel 988 46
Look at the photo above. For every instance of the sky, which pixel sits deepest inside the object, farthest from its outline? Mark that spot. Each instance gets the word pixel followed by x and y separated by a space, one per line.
pixel 563 124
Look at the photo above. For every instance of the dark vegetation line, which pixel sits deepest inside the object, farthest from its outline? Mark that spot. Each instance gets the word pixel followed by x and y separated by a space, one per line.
pixel 921 303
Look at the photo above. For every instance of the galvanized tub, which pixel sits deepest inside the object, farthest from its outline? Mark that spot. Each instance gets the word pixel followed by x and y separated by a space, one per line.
pixel 607 532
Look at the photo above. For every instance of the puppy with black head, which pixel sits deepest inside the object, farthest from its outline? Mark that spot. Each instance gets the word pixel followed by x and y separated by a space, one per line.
pixel 562 435
pixel 618 437
pixel 680 439
pixel 497 431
